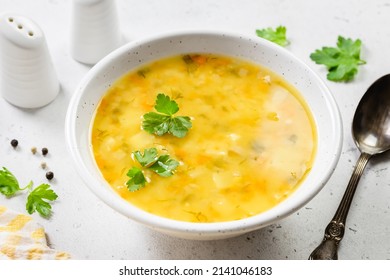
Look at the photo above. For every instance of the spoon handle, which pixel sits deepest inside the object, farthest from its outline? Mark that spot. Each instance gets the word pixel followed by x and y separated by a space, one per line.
pixel 334 232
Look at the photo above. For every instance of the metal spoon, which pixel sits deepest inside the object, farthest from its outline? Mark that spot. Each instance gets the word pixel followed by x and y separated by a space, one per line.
pixel 371 133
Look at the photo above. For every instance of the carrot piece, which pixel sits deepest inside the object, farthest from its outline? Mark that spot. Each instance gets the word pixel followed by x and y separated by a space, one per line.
pixel 199 59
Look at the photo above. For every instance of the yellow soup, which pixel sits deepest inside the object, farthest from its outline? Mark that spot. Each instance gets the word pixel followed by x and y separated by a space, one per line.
pixel 251 143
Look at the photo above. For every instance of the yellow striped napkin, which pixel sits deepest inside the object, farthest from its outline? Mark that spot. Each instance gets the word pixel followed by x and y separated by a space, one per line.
pixel 21 238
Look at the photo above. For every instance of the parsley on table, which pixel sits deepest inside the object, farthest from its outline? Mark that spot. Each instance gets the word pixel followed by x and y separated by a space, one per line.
pixel 9 185
pixel 277 35
pixel 162 165
pixel 342 62
pixel 37 200
pixel 164 121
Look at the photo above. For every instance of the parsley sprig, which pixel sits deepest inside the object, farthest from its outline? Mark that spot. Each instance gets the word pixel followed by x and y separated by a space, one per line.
pixel 162 165
pixel 342 62
pixel 9 185
pixel 277 35
pixel 137 179
pixel 161 122
pixel 37 199
pixel 165 121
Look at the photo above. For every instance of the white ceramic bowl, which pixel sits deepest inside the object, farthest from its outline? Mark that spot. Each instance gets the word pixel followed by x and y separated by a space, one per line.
pixel 105 72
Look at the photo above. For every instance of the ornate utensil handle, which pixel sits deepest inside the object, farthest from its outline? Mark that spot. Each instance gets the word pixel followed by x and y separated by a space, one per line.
pixel 334 232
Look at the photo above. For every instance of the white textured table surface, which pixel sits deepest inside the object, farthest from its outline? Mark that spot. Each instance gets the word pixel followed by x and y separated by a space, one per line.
pixel 88 229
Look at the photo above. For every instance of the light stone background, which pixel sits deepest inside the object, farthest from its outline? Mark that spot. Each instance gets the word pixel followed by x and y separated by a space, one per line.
pixel 88 229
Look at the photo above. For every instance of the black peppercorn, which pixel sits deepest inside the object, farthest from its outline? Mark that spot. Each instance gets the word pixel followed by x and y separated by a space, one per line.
pixel 44 151
pixel 14 143
pixel 49 175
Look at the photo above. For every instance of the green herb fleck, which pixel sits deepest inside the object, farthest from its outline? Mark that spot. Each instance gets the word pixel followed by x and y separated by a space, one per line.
pixel 190 63
pixel 187 59
pixel 342 62
pixel 277 35
pixel 143 72
pixel 164 121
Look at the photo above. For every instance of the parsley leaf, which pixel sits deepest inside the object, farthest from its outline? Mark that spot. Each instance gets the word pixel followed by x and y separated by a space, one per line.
pixel 137 179
pixel 162 165
pixel 164 121
pixel 165 166
pixel 277 36
pixel 9 185
pixel 148 158
pixel 342 62
pixel 155 123
pixel 179 126
pixel 37 200
pixel 165 105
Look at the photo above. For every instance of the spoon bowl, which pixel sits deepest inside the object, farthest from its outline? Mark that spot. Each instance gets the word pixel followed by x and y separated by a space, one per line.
pixel 371 123
pixel 371 133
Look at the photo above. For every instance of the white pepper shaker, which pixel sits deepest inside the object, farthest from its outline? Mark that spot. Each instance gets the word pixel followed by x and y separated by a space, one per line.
pixel 27 75
pixel 95 30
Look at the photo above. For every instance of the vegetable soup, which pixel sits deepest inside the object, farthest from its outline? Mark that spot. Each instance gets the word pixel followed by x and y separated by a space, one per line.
pixel 250 138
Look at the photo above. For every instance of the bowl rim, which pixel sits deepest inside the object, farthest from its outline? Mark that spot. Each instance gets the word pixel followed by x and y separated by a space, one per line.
pixel 169 225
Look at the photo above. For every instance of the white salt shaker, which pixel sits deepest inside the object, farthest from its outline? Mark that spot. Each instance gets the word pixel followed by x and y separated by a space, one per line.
pixel 27 75
pixel 95 30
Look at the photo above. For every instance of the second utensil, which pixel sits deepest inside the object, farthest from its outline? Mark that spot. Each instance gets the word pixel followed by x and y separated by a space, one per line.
pixel 371 133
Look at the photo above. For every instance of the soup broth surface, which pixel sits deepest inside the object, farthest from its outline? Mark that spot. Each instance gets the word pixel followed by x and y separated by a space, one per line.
pixel 251 143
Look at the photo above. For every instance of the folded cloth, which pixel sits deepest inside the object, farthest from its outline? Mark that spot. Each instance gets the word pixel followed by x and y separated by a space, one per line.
pixel 21 238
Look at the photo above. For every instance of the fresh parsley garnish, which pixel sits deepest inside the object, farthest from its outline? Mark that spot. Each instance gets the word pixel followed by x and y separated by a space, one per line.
pixel 164 121
pixel 165 105
pixel 137 179
pixel 160 122
pixel 165 166
pixel 342 62
pixel 9 185
pixel 277 35
pixel 162 165
pixel 148 158
pixel 37 200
